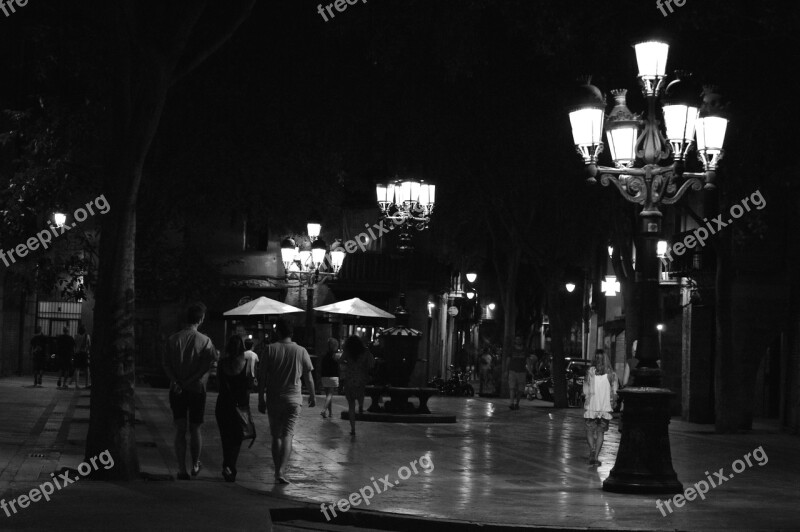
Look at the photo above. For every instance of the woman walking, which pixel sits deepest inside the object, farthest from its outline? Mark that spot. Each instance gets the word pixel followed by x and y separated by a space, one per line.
pixel 330 375
pixel 233 393
pixel 600 388
pixel 357 362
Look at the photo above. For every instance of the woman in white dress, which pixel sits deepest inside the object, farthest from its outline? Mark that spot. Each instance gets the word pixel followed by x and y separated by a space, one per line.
pixel 600 388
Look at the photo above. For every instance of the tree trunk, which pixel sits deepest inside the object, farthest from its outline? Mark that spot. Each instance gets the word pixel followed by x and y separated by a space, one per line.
pixel 509 296
pixel 148 54
pixel 112 417
pixel 557 346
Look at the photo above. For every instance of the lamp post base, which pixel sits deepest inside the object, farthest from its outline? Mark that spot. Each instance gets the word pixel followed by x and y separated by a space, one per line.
pixel 644 460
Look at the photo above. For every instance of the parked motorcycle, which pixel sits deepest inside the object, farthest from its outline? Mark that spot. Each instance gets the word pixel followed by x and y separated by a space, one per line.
pixel 544 388
pixel 457 384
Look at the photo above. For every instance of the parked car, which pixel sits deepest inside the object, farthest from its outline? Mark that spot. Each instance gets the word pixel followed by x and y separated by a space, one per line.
pixel 576 373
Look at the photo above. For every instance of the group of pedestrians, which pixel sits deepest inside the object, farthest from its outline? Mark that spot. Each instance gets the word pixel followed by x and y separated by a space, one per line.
pixel 71 353
pixel 273 370
pixel 354 364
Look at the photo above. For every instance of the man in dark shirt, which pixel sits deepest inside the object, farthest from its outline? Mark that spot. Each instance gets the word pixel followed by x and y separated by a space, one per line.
pixel 517 370
pixel 65 349
pixel 187 362
pixel 39 356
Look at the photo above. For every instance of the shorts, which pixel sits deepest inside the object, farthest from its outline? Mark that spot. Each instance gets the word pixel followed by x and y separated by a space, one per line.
pixel 64 363
pixel 188 404
pixel 355 393
pixel 81 360
pixel 516 380
pixel 596 424
pixel 330 382
pixel 39 363
pixel 282 418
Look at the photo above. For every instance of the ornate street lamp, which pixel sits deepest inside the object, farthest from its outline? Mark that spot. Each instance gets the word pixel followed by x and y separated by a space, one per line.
pixel 649 170
pixel 570 287
pixel 60 219
pixel 407 201
pixel 472 277
pixel 308 262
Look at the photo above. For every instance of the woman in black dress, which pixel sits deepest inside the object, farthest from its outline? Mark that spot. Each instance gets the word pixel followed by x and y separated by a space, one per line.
pixel 233 392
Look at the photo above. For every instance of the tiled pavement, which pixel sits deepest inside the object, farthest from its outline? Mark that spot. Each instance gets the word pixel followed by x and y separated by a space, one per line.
pixel 495 465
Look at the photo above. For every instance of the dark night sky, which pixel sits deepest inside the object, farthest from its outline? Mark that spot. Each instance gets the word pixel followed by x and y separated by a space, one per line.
pixel 435 88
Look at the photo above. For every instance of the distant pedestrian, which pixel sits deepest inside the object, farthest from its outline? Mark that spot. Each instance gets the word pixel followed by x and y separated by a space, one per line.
pixel 517 371
pixel 630 365
pixel 65 350
pixel 38 356
pixel 330 375
pixel 357 362
pixel 188 358
pixel 497 371
pixel 252 365
pixel 600 388
pixel 234 396
pixel 83 343
pixel 462 360
pixel 485 371
pixel 283 364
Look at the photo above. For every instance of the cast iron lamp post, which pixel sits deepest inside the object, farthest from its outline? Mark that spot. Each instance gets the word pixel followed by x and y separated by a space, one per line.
pixel 644 175
pixel 307 264
pixel 409 203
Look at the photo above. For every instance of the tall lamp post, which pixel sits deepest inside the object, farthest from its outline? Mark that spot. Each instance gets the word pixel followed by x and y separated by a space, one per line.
pixel 644 175
pixel 307 264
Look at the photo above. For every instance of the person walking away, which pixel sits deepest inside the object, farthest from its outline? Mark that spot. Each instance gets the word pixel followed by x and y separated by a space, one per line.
pixel 517 371
pixel 630 366
pixel 600 388
pixel 330 375
pixel 462 360
pixel 234 392
pixel 38 355
pixel 65 350
pixel 188 357
pixel 251 358
pixel 485 371
pixel 283 364
pixel 497 371
pixel 357 362
pixel 83 343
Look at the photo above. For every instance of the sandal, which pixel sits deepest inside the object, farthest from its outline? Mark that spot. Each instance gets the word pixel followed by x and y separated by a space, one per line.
pixel 324 414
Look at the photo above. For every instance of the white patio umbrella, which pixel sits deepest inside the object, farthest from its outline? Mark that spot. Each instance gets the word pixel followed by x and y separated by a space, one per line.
pixel 355 307
pixel 262 306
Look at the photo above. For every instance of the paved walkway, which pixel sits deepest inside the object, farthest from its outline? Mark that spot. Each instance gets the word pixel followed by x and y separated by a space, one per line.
pixel 525 468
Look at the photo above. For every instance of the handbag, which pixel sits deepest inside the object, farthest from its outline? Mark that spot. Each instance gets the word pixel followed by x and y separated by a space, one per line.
pixel 244 418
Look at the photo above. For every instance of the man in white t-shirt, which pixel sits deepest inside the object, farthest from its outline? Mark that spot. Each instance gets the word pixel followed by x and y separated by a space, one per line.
pixel 251 359
pixel 283 364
